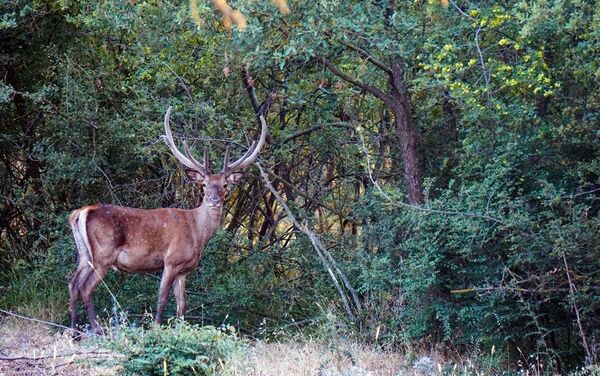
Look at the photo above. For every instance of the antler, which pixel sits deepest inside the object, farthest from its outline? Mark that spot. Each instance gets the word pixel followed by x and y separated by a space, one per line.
pixel 191 157
pixel 226 159
pixel 191 162
pixel 250 155
pixel 188 161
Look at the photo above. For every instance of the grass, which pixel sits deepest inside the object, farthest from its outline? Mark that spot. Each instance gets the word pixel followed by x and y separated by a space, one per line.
pixel 311 357
pixel 31 348
pixel 314 358
pixel 30 339
pixel 23 290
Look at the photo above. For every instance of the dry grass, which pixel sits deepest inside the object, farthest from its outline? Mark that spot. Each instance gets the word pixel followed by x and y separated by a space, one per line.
pixel 29 348
pixel 310 358
pixel 42 351
pixel 19 338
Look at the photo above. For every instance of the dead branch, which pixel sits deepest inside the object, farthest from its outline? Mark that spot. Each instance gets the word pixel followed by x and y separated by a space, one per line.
pixel 589 351
pixel 40 321
pixel 94 351
pixel 324 255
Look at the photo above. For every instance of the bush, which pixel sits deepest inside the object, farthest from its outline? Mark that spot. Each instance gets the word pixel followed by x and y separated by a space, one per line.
pixel 175 349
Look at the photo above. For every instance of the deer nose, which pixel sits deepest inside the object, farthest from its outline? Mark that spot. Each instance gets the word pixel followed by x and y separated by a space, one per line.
pixel 216 201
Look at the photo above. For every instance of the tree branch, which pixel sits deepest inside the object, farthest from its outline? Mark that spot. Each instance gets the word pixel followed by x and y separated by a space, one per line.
pixel 589 351
pixel 482 62
pixel 326 258
pixel 95 351
pixel 371 89
pixel 40 321
pixel 368 57
pixel 415 207
pixel 249 85
pixel 302 194
pixel 259 109
pixel 301 133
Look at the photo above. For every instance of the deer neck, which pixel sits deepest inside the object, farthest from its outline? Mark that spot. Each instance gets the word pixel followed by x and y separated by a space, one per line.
pixel 208 220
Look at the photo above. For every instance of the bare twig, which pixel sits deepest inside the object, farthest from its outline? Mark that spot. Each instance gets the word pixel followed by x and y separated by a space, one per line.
pixel 504 288
pixel 311 199
pixel 589 352
pixel 460 10
pixel 107 288
pixel 94 351
pixel 482 62
pixel 110 185
pixel 581 193
pixel 40 321
pixel 181 81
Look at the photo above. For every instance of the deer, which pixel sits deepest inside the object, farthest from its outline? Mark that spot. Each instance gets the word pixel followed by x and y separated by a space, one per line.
pixel 170 240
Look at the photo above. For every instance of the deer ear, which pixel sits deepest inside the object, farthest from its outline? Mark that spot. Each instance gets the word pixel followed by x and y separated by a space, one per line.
pixel 194 175
pixel 235 177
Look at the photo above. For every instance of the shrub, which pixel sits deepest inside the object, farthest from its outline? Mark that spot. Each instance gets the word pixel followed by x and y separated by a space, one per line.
pixel 179 348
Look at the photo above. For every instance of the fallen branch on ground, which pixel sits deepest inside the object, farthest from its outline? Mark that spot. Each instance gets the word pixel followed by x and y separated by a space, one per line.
pixel 94 351
pixel 41 321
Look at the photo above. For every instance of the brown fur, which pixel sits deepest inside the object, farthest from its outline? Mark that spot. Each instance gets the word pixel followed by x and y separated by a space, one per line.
pixel 137 241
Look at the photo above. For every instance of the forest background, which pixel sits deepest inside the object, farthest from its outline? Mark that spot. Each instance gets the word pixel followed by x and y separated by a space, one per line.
pixel 446 156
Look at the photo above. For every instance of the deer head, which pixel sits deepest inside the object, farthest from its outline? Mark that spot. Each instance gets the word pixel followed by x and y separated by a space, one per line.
pixel 215 186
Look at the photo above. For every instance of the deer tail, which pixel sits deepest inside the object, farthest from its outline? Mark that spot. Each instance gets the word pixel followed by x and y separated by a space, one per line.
pixel 78 220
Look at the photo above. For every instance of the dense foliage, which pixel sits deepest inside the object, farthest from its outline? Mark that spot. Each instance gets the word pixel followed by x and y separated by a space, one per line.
pixel 447 157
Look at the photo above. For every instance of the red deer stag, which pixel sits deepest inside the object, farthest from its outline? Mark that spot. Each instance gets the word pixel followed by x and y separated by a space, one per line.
pixel 136 240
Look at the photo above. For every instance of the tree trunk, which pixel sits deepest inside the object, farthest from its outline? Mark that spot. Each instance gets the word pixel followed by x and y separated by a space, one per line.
pixel 397 100
pixel 407 134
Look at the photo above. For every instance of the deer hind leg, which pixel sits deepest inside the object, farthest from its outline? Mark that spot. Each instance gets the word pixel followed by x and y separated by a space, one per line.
pixel 92 276
pixel 163 292
pixel 179 292
pixel 75 288
pixel 78 225
pixel 74 295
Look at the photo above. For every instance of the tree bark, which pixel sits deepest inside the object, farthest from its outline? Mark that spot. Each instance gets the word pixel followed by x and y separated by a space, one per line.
pixel 408 135
pixel 397 99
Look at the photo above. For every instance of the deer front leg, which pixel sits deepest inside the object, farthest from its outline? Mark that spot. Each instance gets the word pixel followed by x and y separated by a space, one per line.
pixel 163 293
pixel 179 291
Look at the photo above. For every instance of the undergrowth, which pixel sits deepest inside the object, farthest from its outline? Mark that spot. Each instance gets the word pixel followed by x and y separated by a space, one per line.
pixel 178 348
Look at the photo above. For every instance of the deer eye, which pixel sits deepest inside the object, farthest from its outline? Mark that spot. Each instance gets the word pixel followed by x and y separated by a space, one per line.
pixel 225 186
